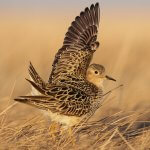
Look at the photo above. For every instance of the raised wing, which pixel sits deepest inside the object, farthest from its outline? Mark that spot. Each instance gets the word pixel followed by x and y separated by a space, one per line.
pixel 78 47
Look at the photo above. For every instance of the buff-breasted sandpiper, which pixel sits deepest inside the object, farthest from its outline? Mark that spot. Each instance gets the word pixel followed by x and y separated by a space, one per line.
pixel 74 85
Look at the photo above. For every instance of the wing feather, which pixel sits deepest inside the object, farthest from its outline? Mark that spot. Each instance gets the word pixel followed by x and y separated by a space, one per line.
pixel 63 100
pixel 79 44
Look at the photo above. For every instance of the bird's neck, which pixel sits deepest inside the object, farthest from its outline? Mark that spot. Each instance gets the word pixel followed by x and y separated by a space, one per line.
pixel 98 83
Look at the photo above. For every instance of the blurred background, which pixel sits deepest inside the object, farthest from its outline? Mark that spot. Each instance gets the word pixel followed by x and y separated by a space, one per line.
pixel 34 30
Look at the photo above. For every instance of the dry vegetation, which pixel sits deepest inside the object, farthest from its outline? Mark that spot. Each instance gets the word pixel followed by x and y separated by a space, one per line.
pixel 123 120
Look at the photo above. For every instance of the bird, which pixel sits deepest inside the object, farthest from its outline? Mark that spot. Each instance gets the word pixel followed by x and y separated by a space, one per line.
pixel 74 85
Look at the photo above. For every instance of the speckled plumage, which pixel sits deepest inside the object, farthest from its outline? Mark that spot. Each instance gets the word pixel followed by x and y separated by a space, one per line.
pixel 68 92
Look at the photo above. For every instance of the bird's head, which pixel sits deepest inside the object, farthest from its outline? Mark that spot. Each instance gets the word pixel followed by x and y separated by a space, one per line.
pixel 96 75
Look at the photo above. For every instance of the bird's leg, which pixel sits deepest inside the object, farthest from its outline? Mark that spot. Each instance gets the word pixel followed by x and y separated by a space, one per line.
pixel 54 130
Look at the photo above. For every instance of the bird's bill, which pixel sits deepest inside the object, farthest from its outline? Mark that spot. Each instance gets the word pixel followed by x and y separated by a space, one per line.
pixel 110 78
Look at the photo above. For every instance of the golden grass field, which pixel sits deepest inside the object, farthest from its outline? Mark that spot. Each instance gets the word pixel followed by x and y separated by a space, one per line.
pixel 124 51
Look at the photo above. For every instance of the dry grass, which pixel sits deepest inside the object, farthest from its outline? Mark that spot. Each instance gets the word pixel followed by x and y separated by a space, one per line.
pixel 123 120
pixel 122 130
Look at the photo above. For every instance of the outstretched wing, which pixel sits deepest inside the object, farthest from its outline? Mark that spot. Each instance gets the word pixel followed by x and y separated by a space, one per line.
pixel 78 47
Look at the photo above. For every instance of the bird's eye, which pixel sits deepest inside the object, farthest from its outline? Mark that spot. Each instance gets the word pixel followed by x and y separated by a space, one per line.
pixel 96 72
